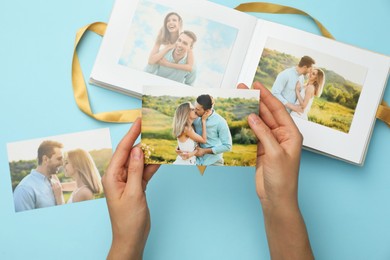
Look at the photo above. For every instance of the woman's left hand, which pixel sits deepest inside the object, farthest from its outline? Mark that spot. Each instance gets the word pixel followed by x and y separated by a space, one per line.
pixel 124 185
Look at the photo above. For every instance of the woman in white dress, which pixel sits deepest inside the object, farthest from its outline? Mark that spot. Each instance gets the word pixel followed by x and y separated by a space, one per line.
pixel 165 41
pixel 79 165
pixel 305 94
pixel 186 136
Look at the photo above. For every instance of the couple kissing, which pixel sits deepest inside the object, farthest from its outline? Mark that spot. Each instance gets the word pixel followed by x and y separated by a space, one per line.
pixel 202 134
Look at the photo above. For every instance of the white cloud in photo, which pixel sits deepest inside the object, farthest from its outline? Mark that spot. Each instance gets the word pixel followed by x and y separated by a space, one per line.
pixel 88 140
pixel 211 51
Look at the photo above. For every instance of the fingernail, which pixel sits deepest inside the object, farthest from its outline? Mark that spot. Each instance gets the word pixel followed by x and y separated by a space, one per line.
pixel 136 153
pixel 254 119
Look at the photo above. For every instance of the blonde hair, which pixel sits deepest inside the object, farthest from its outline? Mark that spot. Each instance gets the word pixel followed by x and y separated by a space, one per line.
pixel 319 83
pixel 84 165
pixel 164 37
pixel 180 119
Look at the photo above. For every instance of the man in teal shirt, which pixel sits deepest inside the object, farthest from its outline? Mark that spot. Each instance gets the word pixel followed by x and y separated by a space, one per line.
pixel 219 139
pixel 177 55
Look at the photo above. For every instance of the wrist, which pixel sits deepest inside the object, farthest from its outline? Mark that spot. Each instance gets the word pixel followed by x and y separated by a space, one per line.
pixel 286 231
pixel 279 206
pixel 125 249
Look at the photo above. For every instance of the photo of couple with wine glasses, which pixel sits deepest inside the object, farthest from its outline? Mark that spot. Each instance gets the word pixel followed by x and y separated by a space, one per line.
pixel 193 126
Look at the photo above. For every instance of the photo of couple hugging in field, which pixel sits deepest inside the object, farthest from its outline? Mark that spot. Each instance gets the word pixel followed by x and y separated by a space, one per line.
pixel 58 170
pixel 191 126
pixel 294 91
pixel 314 86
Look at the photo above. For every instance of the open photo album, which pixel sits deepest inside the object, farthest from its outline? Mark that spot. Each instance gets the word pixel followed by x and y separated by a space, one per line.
pixel 332 90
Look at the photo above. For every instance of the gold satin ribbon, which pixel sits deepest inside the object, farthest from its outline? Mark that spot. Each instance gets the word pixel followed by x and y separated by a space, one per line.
pixel 383 113
pixel 128 116
pixel 80 90
pixel 261 7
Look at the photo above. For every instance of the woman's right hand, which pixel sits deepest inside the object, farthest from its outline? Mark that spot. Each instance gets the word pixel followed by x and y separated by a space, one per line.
pixel 206 115
pixel 277 169
pixel 57 190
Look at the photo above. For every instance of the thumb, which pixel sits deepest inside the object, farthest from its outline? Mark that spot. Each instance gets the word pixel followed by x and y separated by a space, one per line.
pixel 263 133
pixel 135 169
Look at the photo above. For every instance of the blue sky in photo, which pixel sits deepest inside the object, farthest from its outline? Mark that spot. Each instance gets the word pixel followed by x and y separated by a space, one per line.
pixel 211 51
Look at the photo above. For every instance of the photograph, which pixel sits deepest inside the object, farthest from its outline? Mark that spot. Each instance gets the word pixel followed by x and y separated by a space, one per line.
pixel 178 45
pixel 59 170
pixel 198 126
pixel 313 86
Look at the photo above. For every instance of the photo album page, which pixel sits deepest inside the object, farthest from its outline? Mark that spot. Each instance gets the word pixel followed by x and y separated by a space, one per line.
pixel 332 90
pixel 177 43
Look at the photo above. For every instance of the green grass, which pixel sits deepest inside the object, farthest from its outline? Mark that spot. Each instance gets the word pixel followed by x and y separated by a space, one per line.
pixel 331 115
pixel 158 140
pixel 163 152
pixel 156 125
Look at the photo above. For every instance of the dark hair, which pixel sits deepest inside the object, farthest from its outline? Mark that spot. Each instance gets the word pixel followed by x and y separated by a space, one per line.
pixel 47 148
pixel 306 61
pixel 206 101
pixel 191 35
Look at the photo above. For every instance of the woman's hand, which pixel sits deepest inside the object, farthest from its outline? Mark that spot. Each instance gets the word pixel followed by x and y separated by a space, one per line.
pixel 57 190
pixel 279 151
pixel 277 167
pixel 296 108
pixel 124 185
pixel 206 115
pixel 164 62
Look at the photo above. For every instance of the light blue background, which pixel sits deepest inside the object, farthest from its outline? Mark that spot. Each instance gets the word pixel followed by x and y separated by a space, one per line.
pixel 217 216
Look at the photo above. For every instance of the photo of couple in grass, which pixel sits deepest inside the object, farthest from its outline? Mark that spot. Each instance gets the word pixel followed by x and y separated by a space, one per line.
pixel 192 126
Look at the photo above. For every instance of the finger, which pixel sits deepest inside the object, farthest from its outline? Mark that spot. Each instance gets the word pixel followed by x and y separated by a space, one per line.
pixel 116 173
pixel 260 149
pixel 267 116
pixel 123 149
pixel 135 170
pixel 264 134
pixel 149 171
pixel 277 109
pixel 242 86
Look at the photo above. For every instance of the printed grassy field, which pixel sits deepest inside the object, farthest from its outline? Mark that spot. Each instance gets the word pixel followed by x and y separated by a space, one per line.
pixel 331 115
pixel 163 152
